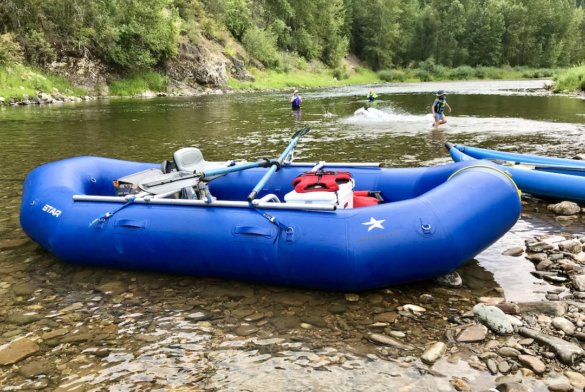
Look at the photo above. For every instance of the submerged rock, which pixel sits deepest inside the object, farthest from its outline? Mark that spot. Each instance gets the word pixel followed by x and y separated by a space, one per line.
pixel 433 353
pixel 17 350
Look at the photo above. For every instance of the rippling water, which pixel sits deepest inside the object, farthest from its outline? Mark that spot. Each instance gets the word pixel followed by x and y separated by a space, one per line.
pixel 125 331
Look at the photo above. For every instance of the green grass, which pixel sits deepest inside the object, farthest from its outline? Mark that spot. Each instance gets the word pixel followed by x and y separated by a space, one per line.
pixel 570 81
pixel 269 79
pixel 137 84
pixel 18 81
pixel 302 78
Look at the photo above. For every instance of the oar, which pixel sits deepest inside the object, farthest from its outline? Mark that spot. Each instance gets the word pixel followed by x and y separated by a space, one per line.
pixel 276 165
pixel 177 180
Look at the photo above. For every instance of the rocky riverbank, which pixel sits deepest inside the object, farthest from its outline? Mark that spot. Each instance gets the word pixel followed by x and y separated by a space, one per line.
pixel 69 328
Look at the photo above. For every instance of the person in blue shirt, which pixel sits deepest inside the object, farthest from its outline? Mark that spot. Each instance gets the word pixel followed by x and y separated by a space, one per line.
pixel 295 100
pixel 372 96
pixel 438 108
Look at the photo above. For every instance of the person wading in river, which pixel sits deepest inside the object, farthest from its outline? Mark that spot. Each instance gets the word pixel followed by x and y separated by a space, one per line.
pixel 438 108
pixel 295 100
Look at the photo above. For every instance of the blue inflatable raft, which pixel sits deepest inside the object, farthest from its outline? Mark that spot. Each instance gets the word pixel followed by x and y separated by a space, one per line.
pixel 544 177
pixel 318 233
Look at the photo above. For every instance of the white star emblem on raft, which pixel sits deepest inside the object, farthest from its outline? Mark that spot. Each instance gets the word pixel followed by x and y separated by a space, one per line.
pixel 374 224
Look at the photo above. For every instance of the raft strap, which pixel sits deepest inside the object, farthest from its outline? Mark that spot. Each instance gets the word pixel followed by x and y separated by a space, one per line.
pixel 108 214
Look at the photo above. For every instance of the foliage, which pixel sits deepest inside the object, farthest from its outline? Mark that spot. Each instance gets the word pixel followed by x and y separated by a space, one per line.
pixel 261 44
pixel 572 80
pixel 10 51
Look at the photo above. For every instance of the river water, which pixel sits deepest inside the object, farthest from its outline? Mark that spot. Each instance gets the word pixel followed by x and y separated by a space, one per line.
pixel 127 330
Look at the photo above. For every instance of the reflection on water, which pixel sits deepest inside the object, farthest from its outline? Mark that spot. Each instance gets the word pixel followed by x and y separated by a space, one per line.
pixel 124 331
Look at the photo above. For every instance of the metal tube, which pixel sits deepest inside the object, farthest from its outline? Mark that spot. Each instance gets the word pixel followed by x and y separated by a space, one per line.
pixel 202 203
pixel 347 164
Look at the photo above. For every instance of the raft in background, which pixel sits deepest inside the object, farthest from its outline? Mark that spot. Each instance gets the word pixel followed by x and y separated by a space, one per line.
pixel 433 220
pixel 540 176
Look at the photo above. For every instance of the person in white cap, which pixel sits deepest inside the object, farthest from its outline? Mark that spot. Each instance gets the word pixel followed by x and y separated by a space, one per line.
pixel 438 108
pixel 296 100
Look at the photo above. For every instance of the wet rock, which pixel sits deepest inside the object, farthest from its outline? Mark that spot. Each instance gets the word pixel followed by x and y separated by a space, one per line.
pixel 473 333
pixel 567 352
pixel 549 308
pixel 24 318
pixel 114 287
pixel 452 279
pixel 23 289
pixel 491 300
pixel 516 251
pixel 315 319
pixel 564 208
pixel 55 333
pixel 388 341
pixel 337 308
pixel 414 308
pixel 493 318
pixel 35 368
pixel 17 350
pixel 352 297
pixel 12 243
pixel 426 298
pixel 564 325
pixel 513 387
pixel 245 330
pixel 291 298
pixel 386 317
pixel 198 316
pixel 433 353
pixel 526 342
pixel 535 364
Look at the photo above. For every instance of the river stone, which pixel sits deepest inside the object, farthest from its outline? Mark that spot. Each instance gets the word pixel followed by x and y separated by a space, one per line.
pixel 23 289
pixel 539 247
pixel 35 368
pixel 433 353
pixel 564 208
pixel 504 367
pixel 508 352
pixel 560 388
pixel 508 307
pixel 571 246
pixel 388 341
pixel 513 387
pixel 537 257
pixel 516 251
pixel 23 318
pixel 473 333
pixel 575 379
pixel 17 350
pixel 337 308
pixel 533 363
pixel 245 330
pixel 564 325
pixel 292 298
pixel 493 318
pixel 578 282
pixel 114 287
pixel 452 279
pixel 549 308
pixel 386 317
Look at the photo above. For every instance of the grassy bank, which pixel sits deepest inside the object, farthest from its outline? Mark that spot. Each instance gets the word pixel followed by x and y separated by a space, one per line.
pixel 571 80
pixel 137 84
pixel 18 81
pixel 425 73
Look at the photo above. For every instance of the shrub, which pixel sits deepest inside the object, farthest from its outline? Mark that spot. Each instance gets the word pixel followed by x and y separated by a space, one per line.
pixel 392 75
pixel 423 75
pixel 571 80
pixel 341 73
pixel 10 50
pixel 261 45
pixel 463 72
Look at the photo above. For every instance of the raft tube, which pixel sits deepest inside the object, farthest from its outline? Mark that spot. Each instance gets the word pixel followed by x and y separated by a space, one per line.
pixel 432 221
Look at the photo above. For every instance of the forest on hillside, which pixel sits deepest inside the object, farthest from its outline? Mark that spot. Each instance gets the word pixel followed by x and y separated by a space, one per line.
pixel 130 35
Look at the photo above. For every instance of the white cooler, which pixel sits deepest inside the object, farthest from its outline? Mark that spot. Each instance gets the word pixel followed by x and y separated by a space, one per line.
pixel 342 198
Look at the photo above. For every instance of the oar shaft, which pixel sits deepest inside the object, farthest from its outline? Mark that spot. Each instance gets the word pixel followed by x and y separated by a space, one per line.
pixel 226 170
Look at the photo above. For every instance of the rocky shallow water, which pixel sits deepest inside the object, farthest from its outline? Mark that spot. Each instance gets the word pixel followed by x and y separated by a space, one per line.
pixel 72 328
